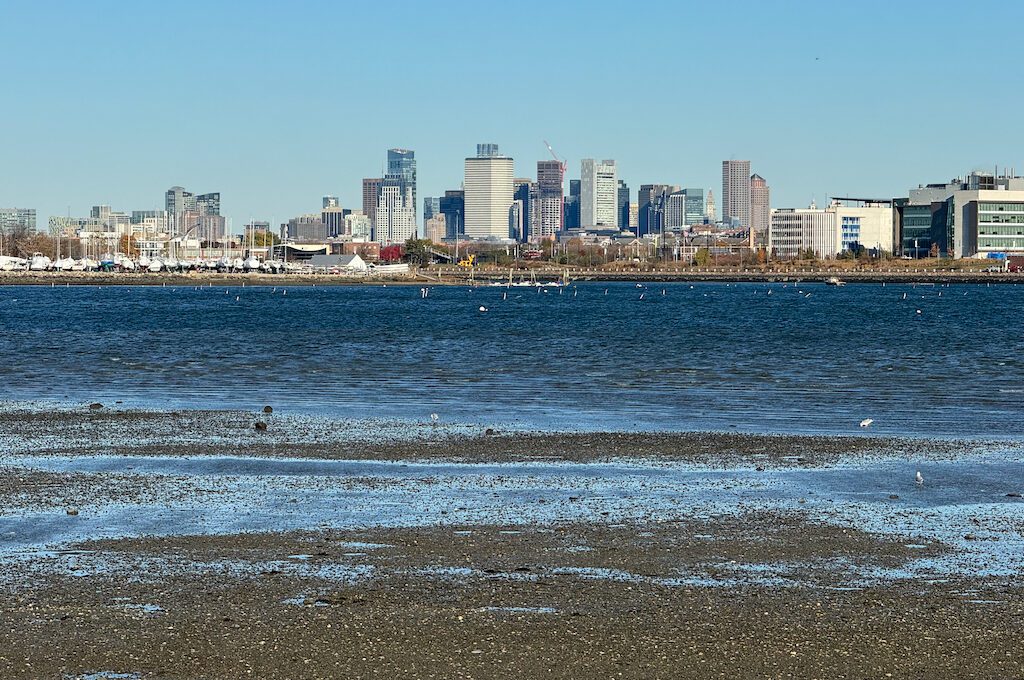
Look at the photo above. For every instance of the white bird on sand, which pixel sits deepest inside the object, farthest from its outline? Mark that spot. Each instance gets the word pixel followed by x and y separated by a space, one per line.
pixel 866 422
pixel 918 479
pixel 433 417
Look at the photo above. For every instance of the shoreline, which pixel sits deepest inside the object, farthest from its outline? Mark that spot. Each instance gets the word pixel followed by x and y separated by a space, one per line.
pixel 54 430
pixel 449 278
pixel 145 544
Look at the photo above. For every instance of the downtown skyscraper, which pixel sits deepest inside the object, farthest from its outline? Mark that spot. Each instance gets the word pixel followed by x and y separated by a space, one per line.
pixel 546 208
pixel 488 193
pixel 395 214
pixel 402 163
pixel 736 193
pixel 760 211
pixel 598 194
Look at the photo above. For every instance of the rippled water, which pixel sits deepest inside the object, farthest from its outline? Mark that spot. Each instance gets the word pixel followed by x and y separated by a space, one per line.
pixel 593 356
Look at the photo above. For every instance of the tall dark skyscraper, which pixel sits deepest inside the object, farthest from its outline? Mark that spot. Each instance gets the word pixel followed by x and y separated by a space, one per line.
pixel 622 205
pixel 572 206
pixel 521 197
pixel 651 203
pixel 453 206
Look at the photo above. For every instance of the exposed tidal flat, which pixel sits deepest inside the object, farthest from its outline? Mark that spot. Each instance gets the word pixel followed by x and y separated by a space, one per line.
pixel 607 481
pixel 190 544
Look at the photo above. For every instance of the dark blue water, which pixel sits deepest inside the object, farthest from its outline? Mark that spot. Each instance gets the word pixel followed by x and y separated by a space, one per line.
pixel 707 356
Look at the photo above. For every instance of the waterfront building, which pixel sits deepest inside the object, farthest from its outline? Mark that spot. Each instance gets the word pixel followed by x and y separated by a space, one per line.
pixel 847 225
pixel 396 215
pixel 736 193
pixel 371 191
pixel 547 215
pixel 488 193
pixel 760 211
pixel 634 217
pixel 17 219
pixel 331 202
pixel 598 194
pixel 453 207
pixel 710 210
pixel 980 215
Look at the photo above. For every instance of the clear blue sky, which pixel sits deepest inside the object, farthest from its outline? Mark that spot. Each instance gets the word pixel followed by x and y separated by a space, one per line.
pixel 277 103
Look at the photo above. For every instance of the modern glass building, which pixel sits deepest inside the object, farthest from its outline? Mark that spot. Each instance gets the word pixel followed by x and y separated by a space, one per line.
pixel 402 164
pixel 694 206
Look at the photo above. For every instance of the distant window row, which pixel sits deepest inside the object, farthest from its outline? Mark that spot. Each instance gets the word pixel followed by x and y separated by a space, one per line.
pixel 1001 207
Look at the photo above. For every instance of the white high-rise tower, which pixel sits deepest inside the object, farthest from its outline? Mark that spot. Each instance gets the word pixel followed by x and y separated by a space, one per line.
pixel 598 194
pixel 489 192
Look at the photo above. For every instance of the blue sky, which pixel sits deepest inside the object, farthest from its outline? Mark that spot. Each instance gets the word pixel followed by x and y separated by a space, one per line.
pixel 276 103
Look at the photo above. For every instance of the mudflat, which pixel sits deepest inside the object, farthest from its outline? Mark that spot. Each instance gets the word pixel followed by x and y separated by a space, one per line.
pixel 191 545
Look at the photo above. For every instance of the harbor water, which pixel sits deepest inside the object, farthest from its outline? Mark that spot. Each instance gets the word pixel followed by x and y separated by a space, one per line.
pixel 918 360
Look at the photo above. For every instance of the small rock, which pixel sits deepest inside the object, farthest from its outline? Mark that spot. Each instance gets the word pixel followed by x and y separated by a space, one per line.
pixel 760 468
pixel 72 511
pixel 268 409
pixel 893 497
pixel 970 537
pixel 95 406
pixel 489 432
pixel 1013 494
pixel 260 426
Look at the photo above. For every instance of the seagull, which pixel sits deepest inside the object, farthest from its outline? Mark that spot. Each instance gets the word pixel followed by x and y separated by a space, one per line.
pixel 433 417
pixel 641 296
pixel 918 479
pixel 482 308
pixel 866 422
pixel 919 311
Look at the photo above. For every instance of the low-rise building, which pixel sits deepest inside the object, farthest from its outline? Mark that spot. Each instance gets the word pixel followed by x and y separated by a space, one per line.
pixel 979 215
pixel 846 225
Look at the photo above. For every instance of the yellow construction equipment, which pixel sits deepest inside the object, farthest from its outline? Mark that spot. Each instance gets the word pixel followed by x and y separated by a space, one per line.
pixel 469 262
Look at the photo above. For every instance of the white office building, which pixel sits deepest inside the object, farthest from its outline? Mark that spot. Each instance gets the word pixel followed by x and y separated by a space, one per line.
pixel 396 212
pixel 488 194
pixel 831 231
pixel 599 199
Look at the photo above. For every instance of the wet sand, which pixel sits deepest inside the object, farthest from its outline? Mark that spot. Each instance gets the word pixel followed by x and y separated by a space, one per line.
pixel 514 554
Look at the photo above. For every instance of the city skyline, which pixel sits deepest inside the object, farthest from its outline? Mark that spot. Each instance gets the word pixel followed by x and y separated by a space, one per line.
pixel 271 159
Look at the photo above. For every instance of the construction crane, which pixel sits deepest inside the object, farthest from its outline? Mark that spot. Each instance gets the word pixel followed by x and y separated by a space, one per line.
pixel 562 167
